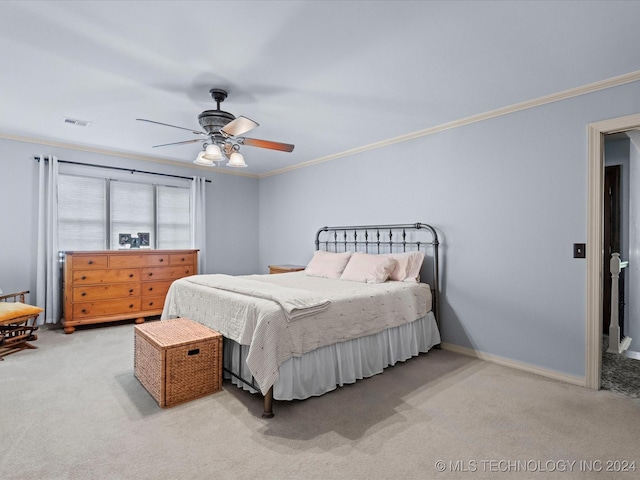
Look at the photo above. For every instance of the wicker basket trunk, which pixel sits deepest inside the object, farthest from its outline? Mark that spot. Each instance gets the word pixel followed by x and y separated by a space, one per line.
pixel 178 360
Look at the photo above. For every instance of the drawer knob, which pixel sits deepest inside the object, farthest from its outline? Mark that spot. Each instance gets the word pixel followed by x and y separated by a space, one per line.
pixel 84 310
pixel 182 259
pixel 83 277
pixel 83 294
pixel 131 290
pixel 150 274
pixel 150 288
pixel 90 262
pixel 150 303
pixel 161 260
pixel 131 275
pixel 131 306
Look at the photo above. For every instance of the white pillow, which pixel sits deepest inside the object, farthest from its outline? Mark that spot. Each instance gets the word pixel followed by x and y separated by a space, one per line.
pixel 363 267
pixel 327 264
pixel 408 266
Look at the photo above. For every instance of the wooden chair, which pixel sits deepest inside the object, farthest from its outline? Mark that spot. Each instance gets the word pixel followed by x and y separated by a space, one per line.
pixel 18 322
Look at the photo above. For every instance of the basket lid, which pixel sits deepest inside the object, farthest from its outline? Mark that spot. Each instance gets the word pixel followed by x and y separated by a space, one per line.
pixel 177 331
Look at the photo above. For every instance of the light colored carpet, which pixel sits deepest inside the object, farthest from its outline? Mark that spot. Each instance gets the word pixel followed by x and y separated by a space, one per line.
pixel 73 410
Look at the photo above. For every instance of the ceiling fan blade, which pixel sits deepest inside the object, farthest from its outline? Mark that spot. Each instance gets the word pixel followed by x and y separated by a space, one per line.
pixel 255 142
pixel 239 126
pixel 179 143
pixel 174 126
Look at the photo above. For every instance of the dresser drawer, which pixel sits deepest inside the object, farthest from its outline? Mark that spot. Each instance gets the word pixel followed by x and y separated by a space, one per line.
pixel 156 288
pixel 103 292
pixel 166 273
pixel 88 277
pixel 142 260
pixel 152 302
pixel 106 307
pixel 156 259
pixel 88 261
pixel 182 259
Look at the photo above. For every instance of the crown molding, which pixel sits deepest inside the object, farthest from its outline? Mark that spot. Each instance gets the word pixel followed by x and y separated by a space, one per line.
pixel 115 153
pixel 517 107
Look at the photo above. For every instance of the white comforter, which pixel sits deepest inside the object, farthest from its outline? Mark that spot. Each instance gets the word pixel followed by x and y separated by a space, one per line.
pixel 355 310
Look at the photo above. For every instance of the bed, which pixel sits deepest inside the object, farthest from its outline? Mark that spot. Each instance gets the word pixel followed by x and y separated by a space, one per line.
pixel 302 334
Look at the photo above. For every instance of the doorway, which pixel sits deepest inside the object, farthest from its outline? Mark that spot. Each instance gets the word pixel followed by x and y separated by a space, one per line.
pixel 612 227
pixel 595 241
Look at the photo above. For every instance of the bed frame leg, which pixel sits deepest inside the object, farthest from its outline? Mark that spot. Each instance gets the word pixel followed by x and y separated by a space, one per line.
pixel 268 404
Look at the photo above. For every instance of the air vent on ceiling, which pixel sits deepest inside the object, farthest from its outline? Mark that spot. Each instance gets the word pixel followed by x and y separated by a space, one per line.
pixel 76 122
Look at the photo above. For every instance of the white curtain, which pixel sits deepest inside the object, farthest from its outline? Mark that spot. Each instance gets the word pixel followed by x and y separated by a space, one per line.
pixel 198 220
pixel 48 292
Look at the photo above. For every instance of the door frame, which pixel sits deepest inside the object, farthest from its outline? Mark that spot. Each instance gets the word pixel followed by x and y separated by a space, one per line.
pixel 595 240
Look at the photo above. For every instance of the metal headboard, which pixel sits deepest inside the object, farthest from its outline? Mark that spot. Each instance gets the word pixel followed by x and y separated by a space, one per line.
pixel 388 239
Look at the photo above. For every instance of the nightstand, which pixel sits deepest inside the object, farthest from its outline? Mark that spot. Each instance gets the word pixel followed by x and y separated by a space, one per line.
pixel 285 268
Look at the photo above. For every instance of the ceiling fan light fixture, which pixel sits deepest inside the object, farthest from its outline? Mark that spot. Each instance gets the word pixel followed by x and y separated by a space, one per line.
pixel 212 152
pixel 236 160
pixel 201 160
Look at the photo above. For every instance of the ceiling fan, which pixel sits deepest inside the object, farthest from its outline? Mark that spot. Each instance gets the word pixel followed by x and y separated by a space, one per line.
pixel 222 135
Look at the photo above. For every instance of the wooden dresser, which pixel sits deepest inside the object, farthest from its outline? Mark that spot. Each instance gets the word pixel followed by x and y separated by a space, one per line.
pixel 106 286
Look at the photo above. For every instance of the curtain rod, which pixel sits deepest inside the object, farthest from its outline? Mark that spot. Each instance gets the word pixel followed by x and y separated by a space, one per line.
pixel 132 170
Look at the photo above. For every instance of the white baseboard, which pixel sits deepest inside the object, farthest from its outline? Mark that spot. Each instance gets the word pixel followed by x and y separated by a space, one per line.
pixel 507 362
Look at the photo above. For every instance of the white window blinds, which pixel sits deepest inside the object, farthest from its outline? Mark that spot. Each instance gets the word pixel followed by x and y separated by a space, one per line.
pixel 132 210
pixel 82 223
pixel 94 211
pixel 173 217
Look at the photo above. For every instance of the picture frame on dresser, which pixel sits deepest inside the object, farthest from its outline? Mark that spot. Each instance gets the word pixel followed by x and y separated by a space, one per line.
pixel 143 239
pixel 124 240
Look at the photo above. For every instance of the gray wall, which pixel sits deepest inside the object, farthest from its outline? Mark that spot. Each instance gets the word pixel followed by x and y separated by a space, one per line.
pixel 616 152
pixel 508 197
pixel 633 273
pixel 232 212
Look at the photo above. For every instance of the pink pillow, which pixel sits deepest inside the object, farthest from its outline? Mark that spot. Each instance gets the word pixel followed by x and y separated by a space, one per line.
pixel 363 267
pixel 327 264
pixel 408 266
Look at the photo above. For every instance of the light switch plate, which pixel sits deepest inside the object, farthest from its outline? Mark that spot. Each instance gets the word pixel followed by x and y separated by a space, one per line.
pixel 579 250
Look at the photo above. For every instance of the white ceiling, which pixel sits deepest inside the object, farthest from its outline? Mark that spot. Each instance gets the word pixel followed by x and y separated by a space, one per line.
pixel 327 76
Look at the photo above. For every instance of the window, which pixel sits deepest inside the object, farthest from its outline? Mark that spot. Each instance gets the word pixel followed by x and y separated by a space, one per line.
pixel 82 213
pixel 93 212
pixel 174 227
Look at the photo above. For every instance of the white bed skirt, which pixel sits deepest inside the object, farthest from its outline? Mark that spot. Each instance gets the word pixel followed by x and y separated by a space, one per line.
pixel 326 368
